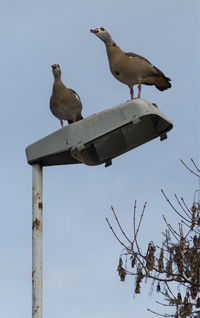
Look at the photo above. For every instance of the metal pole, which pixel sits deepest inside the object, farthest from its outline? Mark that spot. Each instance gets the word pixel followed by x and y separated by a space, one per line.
pixel 37 242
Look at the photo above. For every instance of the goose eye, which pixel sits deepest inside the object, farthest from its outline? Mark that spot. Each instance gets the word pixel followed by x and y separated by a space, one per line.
pixel 102 29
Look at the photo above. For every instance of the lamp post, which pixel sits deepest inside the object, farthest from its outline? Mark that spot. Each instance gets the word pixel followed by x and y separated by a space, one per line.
pixel 37 241
pixel 92 141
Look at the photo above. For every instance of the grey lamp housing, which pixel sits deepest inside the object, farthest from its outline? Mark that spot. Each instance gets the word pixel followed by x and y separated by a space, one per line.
pixel 101 137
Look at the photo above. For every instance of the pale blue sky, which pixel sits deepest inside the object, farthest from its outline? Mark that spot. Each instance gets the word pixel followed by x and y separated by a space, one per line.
pixel 80 253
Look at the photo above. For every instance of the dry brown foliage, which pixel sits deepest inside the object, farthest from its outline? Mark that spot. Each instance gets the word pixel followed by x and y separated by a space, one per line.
pixel 175 265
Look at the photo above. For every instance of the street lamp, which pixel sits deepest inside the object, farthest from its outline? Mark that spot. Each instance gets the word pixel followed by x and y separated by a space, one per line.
pixel 92 141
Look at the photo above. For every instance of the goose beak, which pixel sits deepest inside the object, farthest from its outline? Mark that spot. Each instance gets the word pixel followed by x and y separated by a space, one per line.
pixel 94 31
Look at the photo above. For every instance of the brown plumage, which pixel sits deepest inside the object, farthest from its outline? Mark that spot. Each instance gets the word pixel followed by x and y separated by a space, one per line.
pixel 131 68
pixel 65 104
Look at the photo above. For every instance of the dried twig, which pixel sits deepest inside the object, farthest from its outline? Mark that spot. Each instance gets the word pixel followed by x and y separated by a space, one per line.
pixel 116 218
pixel 186 206
pixel 194 230
pixel 195 165
pixel 189 168
pixel 170 228
pixel 169 289
pixel 134 229
pixel 189 216
pixel 134 222
pixel 117 236
pixel 140 221
pixel 156 313
pixel 165 305
pixel 174 207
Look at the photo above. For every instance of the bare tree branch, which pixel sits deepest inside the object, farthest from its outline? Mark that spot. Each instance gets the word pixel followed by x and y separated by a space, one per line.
pixel 182 199
pixel 189 168
pixel 195 166
pixel 188 215
pixel 140 221
pixel 120 225
pixel 116 235
pixel 156 313
pixel 174 207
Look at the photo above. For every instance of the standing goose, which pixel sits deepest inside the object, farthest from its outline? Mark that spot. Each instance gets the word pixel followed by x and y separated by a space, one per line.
pixel 65 104
pixel 131 68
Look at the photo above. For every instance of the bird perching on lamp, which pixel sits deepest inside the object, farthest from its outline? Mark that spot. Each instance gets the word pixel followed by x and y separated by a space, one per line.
pixel 130 68
pixel 65 103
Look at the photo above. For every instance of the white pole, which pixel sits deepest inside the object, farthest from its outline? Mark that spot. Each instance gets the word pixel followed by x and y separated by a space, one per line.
pixel 37 242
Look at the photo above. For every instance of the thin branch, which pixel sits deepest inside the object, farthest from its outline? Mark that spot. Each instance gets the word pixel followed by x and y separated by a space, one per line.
pixel 117 236
pixel 186 206
pixel 197 232
pixel 174 207
pixel 189 168
pixel 170 228
pixel 174 231
pixel 166 305
pixel 195 165
pixel 134 229
pixel 134 223
pixel 195 312
pixel 182 207
pixel 156 313
pixel 169 289
pixel 156 278
pixel 116 218
pixel 140 221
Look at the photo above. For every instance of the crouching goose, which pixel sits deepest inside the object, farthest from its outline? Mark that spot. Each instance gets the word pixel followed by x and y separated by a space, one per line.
pixel 131 68
pixel 65 104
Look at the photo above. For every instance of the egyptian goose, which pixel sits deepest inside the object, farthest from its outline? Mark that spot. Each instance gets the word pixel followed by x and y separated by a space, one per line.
pixel 131 68
pixel 65 104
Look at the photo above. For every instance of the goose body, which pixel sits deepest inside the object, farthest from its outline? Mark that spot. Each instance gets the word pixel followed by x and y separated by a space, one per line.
pixel 65 103
pixel 131 68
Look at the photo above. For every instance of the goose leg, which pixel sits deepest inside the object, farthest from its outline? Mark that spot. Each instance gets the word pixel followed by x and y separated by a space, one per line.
pixel 139 90
pixel 61 121
pixel 132 93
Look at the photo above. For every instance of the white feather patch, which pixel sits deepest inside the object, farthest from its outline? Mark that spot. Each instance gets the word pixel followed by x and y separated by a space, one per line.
pixel 77 97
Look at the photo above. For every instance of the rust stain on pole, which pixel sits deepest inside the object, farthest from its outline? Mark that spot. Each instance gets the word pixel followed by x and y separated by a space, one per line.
pixel 33 272
pixel 37 242
pixel 36 225
pixel 40 205
pixel 36 308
